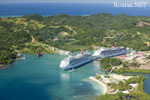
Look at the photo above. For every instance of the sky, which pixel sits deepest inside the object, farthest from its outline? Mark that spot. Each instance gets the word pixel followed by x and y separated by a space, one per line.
pixel 72 1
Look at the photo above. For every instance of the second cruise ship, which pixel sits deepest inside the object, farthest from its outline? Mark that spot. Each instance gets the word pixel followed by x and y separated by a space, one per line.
pixel 104 52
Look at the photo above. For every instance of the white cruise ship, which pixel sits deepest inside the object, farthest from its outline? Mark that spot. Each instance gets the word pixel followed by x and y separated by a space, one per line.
pixel 76 61
pixel 104 52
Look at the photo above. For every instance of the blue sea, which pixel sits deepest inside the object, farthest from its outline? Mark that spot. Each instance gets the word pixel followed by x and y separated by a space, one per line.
pixel 8 10
pixel 41 79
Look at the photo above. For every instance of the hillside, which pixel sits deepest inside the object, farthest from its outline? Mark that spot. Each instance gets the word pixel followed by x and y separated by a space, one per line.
pixel 71 33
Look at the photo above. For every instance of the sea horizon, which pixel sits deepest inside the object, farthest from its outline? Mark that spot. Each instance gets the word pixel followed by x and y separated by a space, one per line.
pixel 72 9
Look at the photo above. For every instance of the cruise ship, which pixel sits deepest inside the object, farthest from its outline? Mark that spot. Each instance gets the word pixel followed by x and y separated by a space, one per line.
pixel 104 52
pixel 72 62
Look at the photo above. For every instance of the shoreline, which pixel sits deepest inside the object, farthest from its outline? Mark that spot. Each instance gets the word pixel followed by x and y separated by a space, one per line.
pixel 102 84
pixel 60 52
pixel 3 67
pixel 113 78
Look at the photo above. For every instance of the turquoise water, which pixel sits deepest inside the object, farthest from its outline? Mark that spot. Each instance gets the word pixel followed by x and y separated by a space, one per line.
pixel 41 79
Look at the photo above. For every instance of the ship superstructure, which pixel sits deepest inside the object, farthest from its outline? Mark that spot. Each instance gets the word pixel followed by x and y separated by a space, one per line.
pixel 111 52
pixel 104 52
pixel 76 61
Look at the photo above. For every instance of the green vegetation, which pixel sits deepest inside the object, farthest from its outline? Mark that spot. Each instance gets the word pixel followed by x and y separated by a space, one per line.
pixel 111 97
pixel 134 80
pixel 6 57
pixel 72 32
pixel 123 70
pixel 132 64
pixel 148 57
pixel 122 86
pixel 137 93
pixel 98 77
pixel 37 47
pixel 107 63
pixel 113 85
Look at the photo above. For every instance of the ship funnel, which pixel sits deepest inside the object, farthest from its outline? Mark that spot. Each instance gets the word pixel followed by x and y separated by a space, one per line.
pixel 82 52
pixel 115 44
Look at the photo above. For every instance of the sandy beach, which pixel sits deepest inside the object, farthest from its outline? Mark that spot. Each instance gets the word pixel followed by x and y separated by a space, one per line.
pixel 101 83
pixel 112 78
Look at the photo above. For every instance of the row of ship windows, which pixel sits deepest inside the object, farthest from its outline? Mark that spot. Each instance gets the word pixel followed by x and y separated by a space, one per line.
pixel 77 61
pixel 112 52
pixel 115 50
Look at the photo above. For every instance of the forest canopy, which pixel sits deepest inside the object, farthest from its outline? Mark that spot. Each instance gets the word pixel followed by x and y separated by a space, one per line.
pixel 72 32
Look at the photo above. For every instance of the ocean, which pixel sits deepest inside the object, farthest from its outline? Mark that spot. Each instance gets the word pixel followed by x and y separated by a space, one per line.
pixel 9 10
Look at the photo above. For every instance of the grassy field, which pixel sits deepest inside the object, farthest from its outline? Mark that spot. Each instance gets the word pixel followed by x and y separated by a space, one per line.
pixel 37 47
pixel 123 70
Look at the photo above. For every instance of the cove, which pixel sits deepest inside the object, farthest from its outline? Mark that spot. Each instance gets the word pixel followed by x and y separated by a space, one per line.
pixel 41 79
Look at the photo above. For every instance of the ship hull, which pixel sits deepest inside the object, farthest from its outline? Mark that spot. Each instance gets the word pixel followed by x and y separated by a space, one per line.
pixel 78 64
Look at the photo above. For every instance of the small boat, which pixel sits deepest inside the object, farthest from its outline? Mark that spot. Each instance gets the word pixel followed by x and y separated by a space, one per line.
pixel 71 70
pixel 23 58
pixel 39 55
